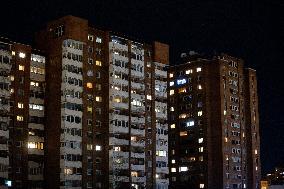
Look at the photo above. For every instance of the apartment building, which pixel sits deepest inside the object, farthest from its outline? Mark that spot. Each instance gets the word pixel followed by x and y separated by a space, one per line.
pixel 105 108
pixel 22 82
pixel 213 123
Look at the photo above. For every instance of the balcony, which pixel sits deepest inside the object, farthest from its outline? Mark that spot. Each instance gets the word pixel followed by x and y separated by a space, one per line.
pixel 138 120
pixel 138 86
pixel 119 105
pixel 119 179
pixel 138 167
pixel 138 155
pixel 118 81
pixel 115 141
pixel 140 132
pixel 118 129
pixel 138 143
pixel 162 181
pixel 114 154
pixel 164 170
pixel 113 68
pixel 161 73
pixel 138 179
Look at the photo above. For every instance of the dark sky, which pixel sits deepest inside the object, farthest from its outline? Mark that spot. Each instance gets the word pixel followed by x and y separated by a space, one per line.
pixel 252 30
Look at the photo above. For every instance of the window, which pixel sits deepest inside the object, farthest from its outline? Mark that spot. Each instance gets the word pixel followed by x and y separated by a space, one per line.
pixel 172 109
pixel 199 113
pixel 98 98
pixel 172 92
pixel 200 149
pixel 198 69
pixel 99 40
pixel 190 123
pixel 188 71
pixel 181 81
pixel 183 133
pixel 89 147
pixel 20 118
pixel 199 87
pixel 171 75
pixel 90 37
pixel 98 63
pixel 148 64
pixel 89 109
pixel 173 161
pixel 173 170
pixel 20 105
pixel 173 126
pixel 183 169
pixel 201 185
pixel 90 61
pixel 149 97
pixel 98 148
pixel 98 87
pixel 89 85
pixel 22 55
pixel 172 83
pixel 200 140
pixel 21 67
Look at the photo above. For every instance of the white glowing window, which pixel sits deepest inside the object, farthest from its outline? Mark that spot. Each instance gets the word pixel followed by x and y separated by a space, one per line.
pixel 173 161
pixel 225 112
pixel 22 55
pixel 183 169
pixel 149 97
pixel 117 148
pixel 31 145
pixel 200 140
pixel 190 123
pixel 99 40
pixel 198 69
pixel 181 81
pixel 199 87
pixel 200 149
pixel 199 113
pixel 172 92
pixel 172 83
pixel 13 53
pixel 256 168
pixel 171 75
pixel 20 105
pixel 98 148
pixel 173 126
pixel 173 170
pixel 172 109
pixel 255 151
pixel 161 153
pixel 201 185
pixel 98 98
pixel 188 71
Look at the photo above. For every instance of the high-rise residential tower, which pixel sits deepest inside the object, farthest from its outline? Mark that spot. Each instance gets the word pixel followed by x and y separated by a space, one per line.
pixel 213 124
pixel 105 108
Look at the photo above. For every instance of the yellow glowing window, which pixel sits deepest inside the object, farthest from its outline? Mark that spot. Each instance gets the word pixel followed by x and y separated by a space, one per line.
pixel 171 75
pixel 13 53
pixel 117 99
pixel 182 116
pixel 22 55
pixel 89 85
pixel 89 147
pixel 12 78
pixel 20 105
pixel 226 139
pixel 21 67
pixel 98 63
pixel 182 90
pixel 68 171
pixel 255 151
pixel 172 92
pixel 134 173
pixel 173 126
pixel 20 118
pixel 183 133
pixel 89 109
pixel 98 98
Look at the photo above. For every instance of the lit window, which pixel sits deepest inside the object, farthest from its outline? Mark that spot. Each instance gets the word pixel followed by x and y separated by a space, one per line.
pixel 173 126
pixel 199 86
pixel 161 153
pixel 172 83
pixel 173 161
pixel 172 109
pixel 20 118
pixel 198 69
pixel 200 149
pixel 22 55
pixel 21 67
pixel 20 105
pixel 181 81
pixel 148 64
pixel 255 151
pixel 13 53
pixel 256 168
pixel 173 170
pixel 12 78
pixel 98 148
pixel 98 98
pixel 182 90
pixel 90 37
pixel 226 139
pixel 182 169
pixel 99 40
pixel 117 148
pixel 89 85
pixel 149 97
pixel 90 61
pixel 188 71
pixel 200 140
pixel 172 92
pixel 200 158
pixel 190 123
pixel 201 185
pixel 98 63
pixel 225 112
pixel 89 109
pixel 183 133
pixel 199 113
pixel 89 147
pixel 171 75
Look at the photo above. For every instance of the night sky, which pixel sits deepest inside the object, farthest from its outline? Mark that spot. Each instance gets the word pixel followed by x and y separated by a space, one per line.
pixel 250 29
